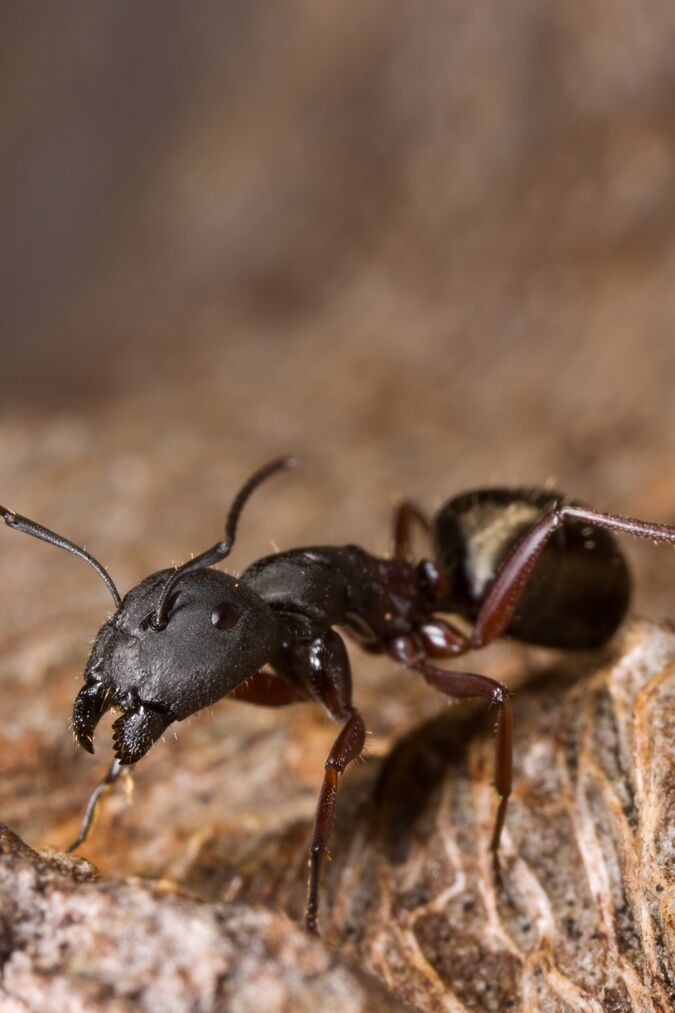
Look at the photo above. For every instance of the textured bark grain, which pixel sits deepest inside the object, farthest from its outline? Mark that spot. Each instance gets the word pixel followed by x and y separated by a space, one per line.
pixel 583 916
pixel 73 941
pixel 582 919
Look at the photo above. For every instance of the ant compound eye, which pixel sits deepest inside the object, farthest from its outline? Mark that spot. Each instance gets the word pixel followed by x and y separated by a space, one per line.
pixel 225 617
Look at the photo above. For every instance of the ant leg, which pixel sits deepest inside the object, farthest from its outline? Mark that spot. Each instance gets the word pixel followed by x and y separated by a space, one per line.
pixel 465 685
pixel 440 639
pixel 321 667
pixel 436 638
pixel 116 768
pixel 626 525
pixel 406 514
pixel 267 690
pixel 502 599
pixel 348 745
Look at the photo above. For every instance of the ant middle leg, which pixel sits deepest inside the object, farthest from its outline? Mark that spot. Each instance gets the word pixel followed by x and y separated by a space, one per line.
pixel 466 686
pixel 266 689
pixel 441 640
pixel 116 769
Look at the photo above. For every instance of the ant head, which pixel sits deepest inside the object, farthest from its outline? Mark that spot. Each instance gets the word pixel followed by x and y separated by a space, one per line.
pixel 216 634
pixel 179 641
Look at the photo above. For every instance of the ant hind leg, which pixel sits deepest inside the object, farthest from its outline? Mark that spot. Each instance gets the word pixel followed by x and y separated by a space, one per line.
pixel 405 515
pixel 501 601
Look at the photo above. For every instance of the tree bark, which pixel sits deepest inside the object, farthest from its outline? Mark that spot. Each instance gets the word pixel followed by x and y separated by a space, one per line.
pixel 581 920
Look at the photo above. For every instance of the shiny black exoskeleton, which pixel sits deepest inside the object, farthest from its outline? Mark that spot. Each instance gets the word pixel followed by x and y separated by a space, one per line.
pixel 521 562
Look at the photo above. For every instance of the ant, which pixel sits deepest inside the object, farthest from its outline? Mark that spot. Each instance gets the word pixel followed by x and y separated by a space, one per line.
pixel 524 562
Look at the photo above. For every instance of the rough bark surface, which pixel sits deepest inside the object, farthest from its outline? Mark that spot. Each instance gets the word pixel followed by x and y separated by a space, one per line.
pixel 583 918
pixel 72 941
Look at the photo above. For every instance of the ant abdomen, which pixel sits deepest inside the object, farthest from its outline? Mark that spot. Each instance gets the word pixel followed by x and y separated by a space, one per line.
pixel 579 589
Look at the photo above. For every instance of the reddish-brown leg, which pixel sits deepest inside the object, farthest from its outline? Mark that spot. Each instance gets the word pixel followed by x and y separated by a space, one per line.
pixel 407 514
pixel 268 690
pixel 440 640
pixel 334 691
pixel 321 666
pixel 464 686
pixel 502 599
pixel 348 745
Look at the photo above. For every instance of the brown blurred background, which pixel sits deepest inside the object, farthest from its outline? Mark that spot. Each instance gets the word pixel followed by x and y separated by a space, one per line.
pixel 420 246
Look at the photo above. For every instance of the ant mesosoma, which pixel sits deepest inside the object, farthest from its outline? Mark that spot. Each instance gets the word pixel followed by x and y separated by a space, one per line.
pixel 520 562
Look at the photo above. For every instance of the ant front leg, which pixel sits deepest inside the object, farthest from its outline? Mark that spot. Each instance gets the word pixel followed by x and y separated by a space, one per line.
pixel 267 690
pixel 501 601
pixel 263 688
pixel 116 769
pixel 321 666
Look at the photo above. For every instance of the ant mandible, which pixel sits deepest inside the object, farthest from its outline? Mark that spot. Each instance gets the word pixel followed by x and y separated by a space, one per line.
pixel 525 562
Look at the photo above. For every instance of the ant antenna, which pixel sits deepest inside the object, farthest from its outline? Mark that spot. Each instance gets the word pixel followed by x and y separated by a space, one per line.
pixel 220 550
pixel 31 528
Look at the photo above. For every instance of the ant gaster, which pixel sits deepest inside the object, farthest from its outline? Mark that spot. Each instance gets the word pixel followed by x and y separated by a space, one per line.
pixel 526 563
